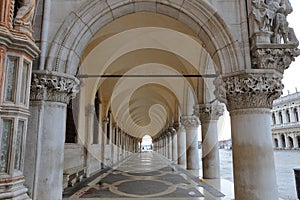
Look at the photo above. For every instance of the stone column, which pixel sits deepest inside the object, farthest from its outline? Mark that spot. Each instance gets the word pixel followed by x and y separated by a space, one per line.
pixel 174 144
pixel 166 145
pixel 50 93
pixel 89 132
pixel 170 145
pixel 105 121
pixel 249 96
pixel 191 124
pixel 181 142
pixel 209 115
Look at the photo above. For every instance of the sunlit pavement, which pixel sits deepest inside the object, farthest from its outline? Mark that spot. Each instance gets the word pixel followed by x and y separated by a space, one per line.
pixel 151 176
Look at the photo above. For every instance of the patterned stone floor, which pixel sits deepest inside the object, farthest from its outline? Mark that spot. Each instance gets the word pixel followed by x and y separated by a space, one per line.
pixel 149 176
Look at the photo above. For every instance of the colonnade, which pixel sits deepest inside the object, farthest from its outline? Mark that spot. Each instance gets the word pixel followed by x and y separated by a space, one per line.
pixel 180 144
pixel 286 140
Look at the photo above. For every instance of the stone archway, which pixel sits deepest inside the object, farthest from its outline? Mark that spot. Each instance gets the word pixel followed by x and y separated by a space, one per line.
pixel 200 17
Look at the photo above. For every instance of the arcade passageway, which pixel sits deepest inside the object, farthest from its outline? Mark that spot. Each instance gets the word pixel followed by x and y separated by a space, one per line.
pixel 148 175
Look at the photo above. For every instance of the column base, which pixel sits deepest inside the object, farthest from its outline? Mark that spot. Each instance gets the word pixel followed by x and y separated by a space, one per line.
pixel 14 189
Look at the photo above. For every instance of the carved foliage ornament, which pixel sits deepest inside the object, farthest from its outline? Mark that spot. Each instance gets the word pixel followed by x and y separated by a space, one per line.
pixel 190 121
pixel 209 112
pixel 49 87
pixel 274 58
pixel 248 90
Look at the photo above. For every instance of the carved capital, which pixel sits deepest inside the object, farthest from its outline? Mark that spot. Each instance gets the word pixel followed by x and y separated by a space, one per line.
pixel 50 86
pixel 208 112
pixel 248 90
pixel 172 130
pixel 105 120
pixel 277 57
pixel 191 121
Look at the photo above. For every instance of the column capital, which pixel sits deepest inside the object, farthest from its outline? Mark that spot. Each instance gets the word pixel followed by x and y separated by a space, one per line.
pixel 105 120
pixel 172 130
pixel 53 86
pixel 208 112
pixel 190 121
pixel 249 89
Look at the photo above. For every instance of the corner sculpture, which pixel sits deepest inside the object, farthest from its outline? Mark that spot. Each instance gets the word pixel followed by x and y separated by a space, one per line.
pixel 271 18
pixel 24 15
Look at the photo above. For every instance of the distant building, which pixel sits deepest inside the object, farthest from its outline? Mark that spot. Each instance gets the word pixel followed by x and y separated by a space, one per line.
pixel 225 144
pixel 285 122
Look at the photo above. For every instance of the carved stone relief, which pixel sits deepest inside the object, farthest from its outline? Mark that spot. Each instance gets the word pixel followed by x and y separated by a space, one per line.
pixel 50 87
pixel 273 58
pixel 248 90
pixel 270 21
pixel 207 112
pixel 190 121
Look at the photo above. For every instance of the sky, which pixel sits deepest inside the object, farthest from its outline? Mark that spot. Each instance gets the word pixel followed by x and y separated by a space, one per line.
pixel 291 76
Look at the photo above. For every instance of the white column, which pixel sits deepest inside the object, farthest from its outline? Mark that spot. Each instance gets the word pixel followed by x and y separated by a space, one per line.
pixel 191 124
pixel 181 142
pixel 104 139
pixel 46 135
pixel 89 132
pixel 170 145
pixel 209 115
pixel 250 111
pixel 174 145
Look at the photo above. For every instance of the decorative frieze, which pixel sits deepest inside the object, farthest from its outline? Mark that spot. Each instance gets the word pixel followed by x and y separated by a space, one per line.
pixel 50 86
pixel 208 112
pixel 248 90
pixel 190 121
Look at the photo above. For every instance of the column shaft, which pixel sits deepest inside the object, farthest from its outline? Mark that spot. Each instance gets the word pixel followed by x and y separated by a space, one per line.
pixel 191 124
pixel 181 146
pixel 254 169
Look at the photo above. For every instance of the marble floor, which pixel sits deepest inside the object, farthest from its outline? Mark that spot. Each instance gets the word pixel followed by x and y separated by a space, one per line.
pixel 150 176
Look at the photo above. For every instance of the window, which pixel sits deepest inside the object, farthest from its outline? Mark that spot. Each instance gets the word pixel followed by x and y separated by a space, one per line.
pixel 296 115
pixel 7 131
pixel 11 77
pixel 280 117
pixel 273 118
pixel 288 117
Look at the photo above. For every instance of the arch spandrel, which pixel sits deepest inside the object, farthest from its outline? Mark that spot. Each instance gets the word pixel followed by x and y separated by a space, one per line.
pixel 199 16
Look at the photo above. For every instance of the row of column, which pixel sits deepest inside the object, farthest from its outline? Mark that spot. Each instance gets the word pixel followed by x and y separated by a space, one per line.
pixel 181 145
pixel 287 115
pixel 119 142
pixel 286 141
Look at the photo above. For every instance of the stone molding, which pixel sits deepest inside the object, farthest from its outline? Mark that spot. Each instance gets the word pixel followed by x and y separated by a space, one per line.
pixel 249 90
pixel 208 112
pixel 50 86
pixel 190 121
pixel 277 57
